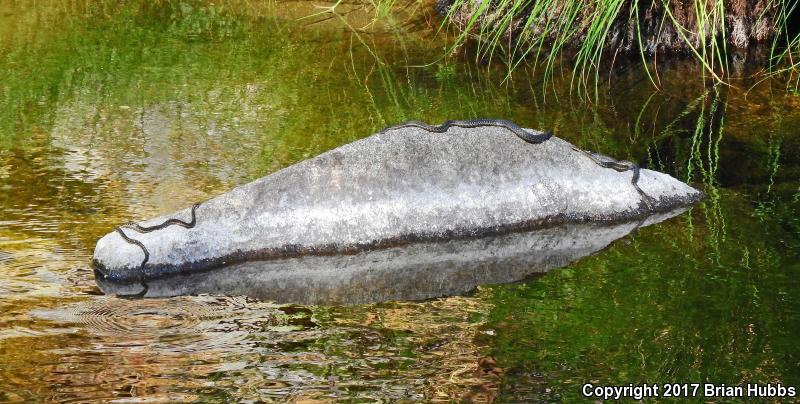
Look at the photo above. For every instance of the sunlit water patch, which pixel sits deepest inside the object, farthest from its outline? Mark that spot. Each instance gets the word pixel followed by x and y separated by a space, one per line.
pixel 229 348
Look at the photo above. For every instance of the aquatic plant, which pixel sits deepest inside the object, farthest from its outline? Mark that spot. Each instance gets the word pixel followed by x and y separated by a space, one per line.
pixel 593 34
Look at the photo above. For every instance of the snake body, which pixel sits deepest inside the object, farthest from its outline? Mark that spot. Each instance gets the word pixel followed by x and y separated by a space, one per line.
pixel 527 136
pixel 147 229
pixel 621 166
pixel 535 138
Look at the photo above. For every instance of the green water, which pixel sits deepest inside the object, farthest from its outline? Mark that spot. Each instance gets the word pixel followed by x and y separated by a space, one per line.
pixel 111 112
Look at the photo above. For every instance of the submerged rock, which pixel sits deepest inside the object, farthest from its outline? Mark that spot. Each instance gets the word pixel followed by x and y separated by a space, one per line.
pixel 398 186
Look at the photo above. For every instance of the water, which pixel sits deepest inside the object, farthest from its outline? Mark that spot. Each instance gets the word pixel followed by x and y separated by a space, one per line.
pixel 114 112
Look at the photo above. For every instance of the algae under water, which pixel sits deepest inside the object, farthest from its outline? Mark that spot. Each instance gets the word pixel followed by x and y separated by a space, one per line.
pixel 111 112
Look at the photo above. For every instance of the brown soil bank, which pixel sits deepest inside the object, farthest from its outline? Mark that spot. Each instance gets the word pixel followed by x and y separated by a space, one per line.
pixel 623 25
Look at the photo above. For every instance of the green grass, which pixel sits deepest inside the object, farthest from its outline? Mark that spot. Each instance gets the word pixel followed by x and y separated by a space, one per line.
pixel 552 31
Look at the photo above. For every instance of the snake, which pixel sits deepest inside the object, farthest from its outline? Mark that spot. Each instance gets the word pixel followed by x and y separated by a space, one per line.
pixel 621 166
pixel 527 136
pixel 147 229
pixel 535 138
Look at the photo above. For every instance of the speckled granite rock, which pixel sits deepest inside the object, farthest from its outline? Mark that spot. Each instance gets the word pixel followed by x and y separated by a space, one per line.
pixel 390 188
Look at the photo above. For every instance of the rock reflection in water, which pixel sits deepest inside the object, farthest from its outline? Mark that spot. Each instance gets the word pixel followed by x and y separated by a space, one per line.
pixel 412 272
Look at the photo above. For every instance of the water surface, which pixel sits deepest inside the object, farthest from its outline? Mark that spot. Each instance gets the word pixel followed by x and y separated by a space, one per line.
pixel 111 112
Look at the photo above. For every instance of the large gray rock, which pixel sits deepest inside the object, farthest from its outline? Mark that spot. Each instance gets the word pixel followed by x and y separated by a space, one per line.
pixel 394 187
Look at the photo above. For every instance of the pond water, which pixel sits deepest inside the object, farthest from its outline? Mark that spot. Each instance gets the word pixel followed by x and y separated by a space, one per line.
pixel 112 112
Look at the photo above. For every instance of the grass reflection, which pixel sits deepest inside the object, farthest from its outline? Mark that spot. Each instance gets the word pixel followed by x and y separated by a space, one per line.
pixel 667 306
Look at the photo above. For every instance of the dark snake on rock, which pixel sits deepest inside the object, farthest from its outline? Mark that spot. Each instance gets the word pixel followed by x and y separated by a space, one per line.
pixel 535 138
pixel 530 137
pixel 147 229
pixel 620 166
